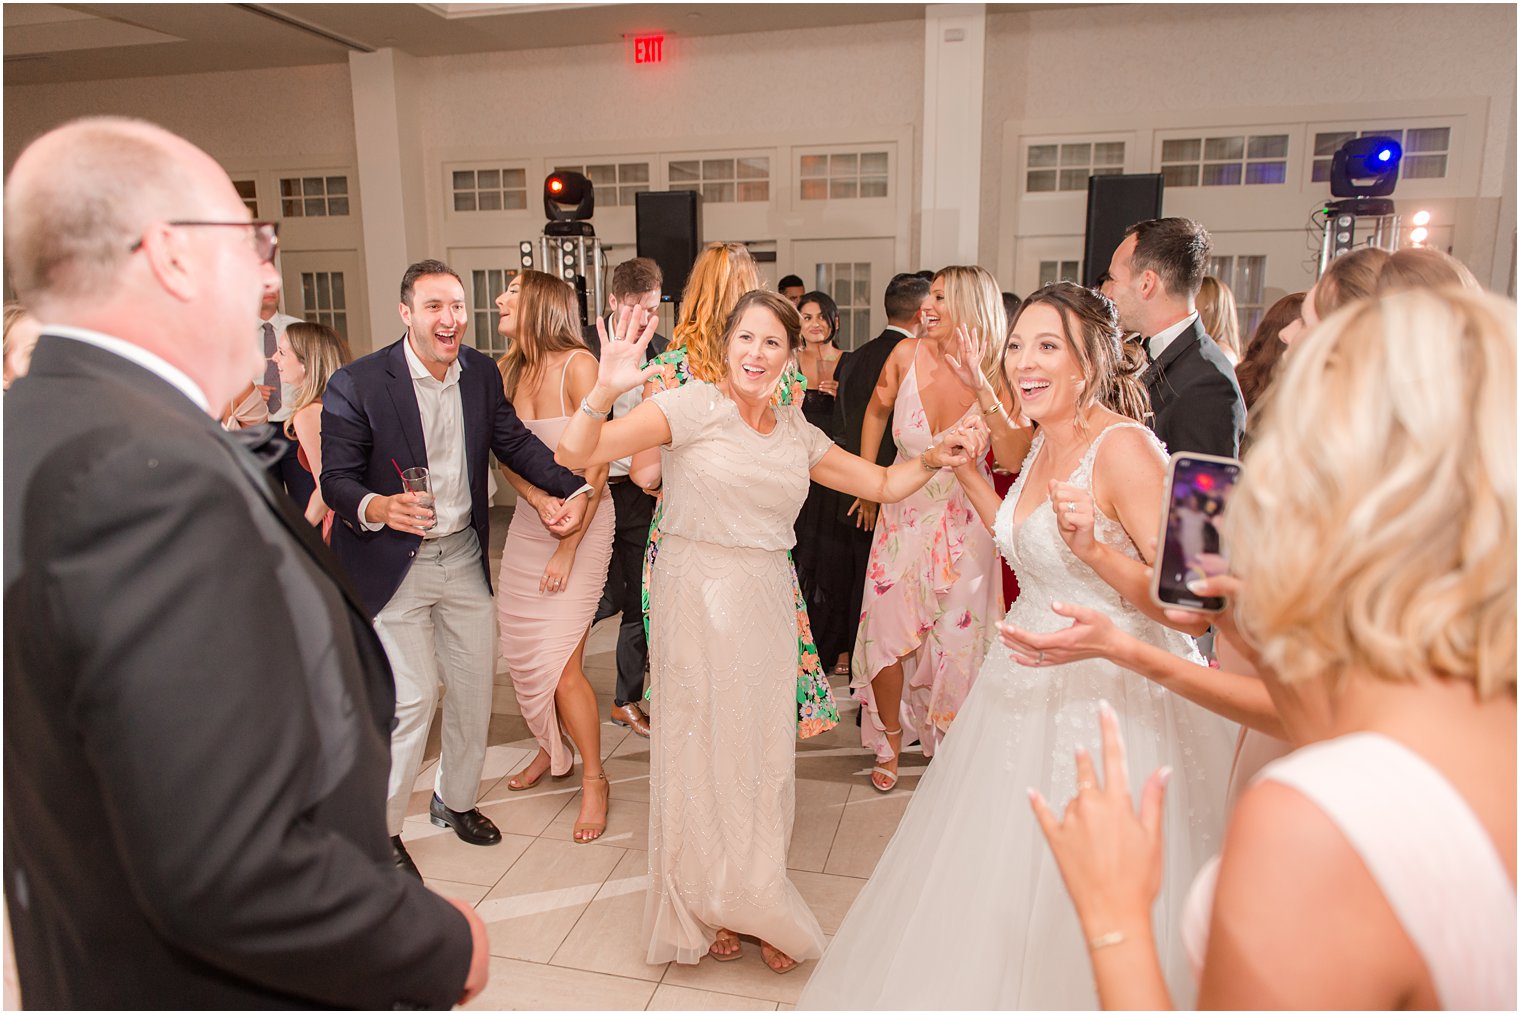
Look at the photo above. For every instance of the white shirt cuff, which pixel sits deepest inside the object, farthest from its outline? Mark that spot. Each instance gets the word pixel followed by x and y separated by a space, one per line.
pixel 585 488
pixel 369 526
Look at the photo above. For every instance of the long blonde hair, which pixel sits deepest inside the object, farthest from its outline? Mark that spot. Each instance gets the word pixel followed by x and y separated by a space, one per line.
pixel 321 350
pixel 1216 311
pixel 1373 528
pixel 974 299
pixel 723 273
pixel 547 318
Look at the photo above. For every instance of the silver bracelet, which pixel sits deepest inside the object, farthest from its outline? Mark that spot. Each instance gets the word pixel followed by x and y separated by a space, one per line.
pixel 923 459
pixel 593 413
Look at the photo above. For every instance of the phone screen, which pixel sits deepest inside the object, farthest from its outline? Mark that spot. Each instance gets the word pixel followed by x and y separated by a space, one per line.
pixel 1198 489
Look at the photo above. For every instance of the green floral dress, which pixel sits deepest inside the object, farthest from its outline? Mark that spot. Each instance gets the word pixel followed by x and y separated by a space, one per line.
pixel 816 710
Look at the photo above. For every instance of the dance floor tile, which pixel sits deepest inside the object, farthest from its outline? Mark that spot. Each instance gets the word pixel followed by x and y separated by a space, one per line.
pixel 533 907
pixel 869 820
pixel 526 985
pixel 439 854
pixel 746 976
pixel 471 893
pixel 828 895
pixel 669 997
pixel 627 825
pixel 630 779
pixel 813 834
pixel 607 936
pixel 531 811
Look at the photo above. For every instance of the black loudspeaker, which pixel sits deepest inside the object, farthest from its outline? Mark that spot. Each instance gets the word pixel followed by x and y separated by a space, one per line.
pixel 1114 203
pixel 669 232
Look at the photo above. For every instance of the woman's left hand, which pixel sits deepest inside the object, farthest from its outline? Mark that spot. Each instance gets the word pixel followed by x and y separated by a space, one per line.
pixel 967 368
pixel 1075 516
pixel 557 573
pixel 965 441
pixel 1109 856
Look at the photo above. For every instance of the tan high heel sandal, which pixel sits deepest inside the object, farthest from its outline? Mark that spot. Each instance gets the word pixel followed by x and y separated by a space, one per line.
pixel 889 776
pixel 599 828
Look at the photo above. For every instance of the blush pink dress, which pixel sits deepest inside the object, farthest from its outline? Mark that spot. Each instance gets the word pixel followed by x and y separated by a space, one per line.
pixel 931 594
pixel 538 631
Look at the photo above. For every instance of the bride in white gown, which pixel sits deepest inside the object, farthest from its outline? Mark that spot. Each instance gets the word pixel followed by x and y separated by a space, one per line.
pixel 966 909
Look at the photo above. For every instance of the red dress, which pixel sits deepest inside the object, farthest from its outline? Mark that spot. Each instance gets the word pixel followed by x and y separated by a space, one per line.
pixel 327 521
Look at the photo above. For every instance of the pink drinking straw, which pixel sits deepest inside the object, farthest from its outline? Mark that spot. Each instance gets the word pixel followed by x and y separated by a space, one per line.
pixel 406 485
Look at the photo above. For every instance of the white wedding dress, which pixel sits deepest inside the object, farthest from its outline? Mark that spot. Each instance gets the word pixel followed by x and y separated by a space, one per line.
pixel 966 908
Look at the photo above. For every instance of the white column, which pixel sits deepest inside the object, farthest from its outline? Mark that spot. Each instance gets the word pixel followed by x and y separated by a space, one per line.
pixel 955 38
pixel 392 192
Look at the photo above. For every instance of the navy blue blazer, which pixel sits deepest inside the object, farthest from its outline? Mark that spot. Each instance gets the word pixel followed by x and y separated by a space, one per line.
pixel 370 416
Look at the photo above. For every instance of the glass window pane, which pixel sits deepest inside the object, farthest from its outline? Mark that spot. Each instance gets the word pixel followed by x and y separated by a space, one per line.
pixel 717 191
pixel 844 165
pixel 1069 270
pixel 324 292
pixel 815 190
pixel 340 325
pixel 246 189
pixel 514 200
pixel 842 277
pixel 1182 150
pixel 478 287
pixel 1321 173
pixel 873 187
pixel 1076 154
pixel 1220 267
pixel 1107 170
pixel 629 194
pixel 337 205
pixel 315 206
pixel 1074 179
pixel 873 162
pixel 843 189
pixel 633 172
pixel 514 178
pixel 862 285
pixel 1328 143
pixel 755 191
pixel 1179 175
pixel 290 209
pixel 1224 174
pixel 1224 147
pixel 569 169
pixel 337 185
pixel 1424 167
pixel 1108 153
pixel 490 200
pixel 339 298
pixel 685 171
pixel 1427 139
pixel 1040 181
pixel 488 179
pixel 1397 135
pixel 290 188
pixel 601 175
pixel 1268 146
pixel 1266 172
pixel 718 169
pixel 815 165
pixel 311 185
pixel 1250 280
pixel 862 327
pixel 1048 272
pixel 308 292
pixel 754 168
pixel 1042 155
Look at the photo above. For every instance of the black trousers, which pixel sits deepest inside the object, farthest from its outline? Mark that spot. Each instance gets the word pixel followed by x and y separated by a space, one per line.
pixel 624 591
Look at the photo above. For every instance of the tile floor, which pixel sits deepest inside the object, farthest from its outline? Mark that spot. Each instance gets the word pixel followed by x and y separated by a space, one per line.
pixel 564 918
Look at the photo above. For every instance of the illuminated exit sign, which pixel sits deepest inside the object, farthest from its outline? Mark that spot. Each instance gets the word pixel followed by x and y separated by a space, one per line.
pixel 647 48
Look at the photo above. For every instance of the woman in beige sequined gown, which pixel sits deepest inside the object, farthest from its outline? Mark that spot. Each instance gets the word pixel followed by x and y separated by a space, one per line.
pixel 723 630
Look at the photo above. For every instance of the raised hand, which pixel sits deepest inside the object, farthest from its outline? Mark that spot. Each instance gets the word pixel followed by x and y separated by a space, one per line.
pixel 623 350
pixel 1075 516
pixel 967 367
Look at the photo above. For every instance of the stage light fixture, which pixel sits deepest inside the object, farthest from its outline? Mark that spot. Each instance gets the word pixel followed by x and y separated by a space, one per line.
pixel 1421 218
pixel 568 197
pixel 1366 167
pixel 1419 235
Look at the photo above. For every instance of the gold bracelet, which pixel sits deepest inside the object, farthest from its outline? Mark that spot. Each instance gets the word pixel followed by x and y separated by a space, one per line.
pixel 1103 940
pixel 996 409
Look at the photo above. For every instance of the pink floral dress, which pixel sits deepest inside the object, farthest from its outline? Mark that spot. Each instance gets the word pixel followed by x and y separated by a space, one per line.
pixel 931 596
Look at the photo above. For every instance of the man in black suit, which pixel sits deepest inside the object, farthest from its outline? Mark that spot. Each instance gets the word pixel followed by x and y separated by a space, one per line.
pixel 196 711
pixel 430 401
pixel 1154 277
pixel 635 284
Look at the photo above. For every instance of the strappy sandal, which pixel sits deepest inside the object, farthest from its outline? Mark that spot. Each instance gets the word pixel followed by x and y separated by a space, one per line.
pixel 766 951
pixel 890 777
pixel 737 952
pixel 840 669
pixel 516 784
pixel 599 828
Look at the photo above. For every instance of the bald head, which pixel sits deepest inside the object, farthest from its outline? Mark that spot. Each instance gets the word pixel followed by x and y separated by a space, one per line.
pixel 79 197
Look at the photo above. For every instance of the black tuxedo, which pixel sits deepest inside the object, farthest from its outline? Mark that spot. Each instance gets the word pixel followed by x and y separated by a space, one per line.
pixel 196 722
pixel 370 419
pixel 857 374
pixel 1195 401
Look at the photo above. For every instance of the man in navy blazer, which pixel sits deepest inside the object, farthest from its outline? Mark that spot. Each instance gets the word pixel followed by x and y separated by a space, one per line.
pixel 430 401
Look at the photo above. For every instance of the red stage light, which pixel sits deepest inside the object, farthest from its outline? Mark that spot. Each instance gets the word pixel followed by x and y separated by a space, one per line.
pixel 556 184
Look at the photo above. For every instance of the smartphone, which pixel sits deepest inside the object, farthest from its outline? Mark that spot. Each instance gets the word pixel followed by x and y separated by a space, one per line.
pixel 1197 488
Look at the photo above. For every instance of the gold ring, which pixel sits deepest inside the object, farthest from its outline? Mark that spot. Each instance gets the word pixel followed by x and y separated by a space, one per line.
pixel 1086 785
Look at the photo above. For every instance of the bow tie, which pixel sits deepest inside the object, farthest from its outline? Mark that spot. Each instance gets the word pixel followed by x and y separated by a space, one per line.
pixel 265 442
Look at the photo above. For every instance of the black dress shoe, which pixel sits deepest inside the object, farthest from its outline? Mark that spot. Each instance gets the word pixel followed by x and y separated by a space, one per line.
pixel 472 826
pixel 404 859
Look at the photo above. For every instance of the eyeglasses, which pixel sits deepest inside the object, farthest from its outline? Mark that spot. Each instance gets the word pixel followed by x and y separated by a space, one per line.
pixel 266 235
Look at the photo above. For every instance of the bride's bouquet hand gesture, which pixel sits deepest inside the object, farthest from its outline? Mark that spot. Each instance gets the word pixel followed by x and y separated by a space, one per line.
pixel 619 369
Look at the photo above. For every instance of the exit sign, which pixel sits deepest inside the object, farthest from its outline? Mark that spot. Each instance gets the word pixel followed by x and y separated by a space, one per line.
pixel 647 48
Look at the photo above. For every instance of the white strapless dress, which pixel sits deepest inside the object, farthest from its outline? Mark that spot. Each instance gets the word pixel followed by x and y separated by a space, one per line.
pixel 966 909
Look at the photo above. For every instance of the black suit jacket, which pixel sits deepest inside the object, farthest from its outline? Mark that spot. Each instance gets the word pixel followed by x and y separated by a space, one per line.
pixel 370 419
pixel 1195 401
pixel 197 720
pixel 857 375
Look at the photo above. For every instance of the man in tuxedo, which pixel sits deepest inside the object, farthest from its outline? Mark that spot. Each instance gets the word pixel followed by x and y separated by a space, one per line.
pixel 196 709
pixel 430 401
pixel 1154 277
pixel 635 284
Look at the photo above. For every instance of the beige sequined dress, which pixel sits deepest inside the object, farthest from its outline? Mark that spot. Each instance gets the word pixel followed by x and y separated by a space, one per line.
pixel 723 657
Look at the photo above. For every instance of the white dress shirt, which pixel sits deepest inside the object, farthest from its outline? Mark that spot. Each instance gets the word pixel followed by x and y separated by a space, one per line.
pixel 137 354
pixel 288 392
pixel 441 407
pixel 1158 342
pixel 902 331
